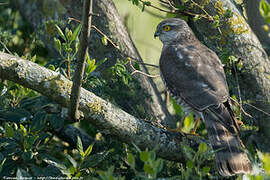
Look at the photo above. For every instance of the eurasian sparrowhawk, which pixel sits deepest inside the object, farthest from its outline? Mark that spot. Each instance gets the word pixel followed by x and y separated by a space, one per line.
pixel 195 78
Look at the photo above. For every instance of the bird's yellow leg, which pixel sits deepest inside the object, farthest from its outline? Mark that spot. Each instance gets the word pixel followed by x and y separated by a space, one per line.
pixel 193 132
pixel 179 128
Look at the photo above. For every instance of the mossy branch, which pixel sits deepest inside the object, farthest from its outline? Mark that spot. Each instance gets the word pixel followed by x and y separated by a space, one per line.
pixel 106 116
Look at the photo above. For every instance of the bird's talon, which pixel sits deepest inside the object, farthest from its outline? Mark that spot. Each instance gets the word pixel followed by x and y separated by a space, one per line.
pixel 175 130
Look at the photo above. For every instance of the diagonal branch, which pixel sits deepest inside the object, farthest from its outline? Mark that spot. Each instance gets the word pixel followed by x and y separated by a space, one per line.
pixel 104 115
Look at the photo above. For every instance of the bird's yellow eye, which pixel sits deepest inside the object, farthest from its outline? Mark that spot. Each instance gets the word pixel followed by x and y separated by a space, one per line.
pixel 166 28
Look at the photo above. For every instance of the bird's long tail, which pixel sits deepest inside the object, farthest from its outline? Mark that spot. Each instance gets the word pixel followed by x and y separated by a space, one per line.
pixel 224 138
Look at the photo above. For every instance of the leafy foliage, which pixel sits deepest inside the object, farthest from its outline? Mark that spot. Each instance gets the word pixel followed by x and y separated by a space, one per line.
pixel 30 123
pixel 265 10
pixel 65 49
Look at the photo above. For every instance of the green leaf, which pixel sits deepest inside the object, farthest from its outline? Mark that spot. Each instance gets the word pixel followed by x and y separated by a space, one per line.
pixel 136 65
pixel 159 165
pixel 131 160
pixel 71 160
pixel 76 32
pixel 196 18
pixel 190 164
pixel 58 45
pixel 72 170
pixel 178 109
pixel 263 7
pixel 39 121
pixel 80 146
pixel 90 65
pixel 88 150
pixel 2 164
pixel 69 35
pixel 104 40
pixel 60 32
pixel 189 152
pixel 78 174
pixel 34 58
pixel 94 160
pixel 148 169
pixel 152 155
pixel 68 50
pixel 143 6
pixel 147 3
pixel 144 156
pixel 233 59
pixel 66 32
pixel 205 170
pixel 56 164
pixel 188 122
pixel 100 62
pixel 77 44
pixel 266 162
pixel 267 19
pixel 24 130
pixel 202 148
pixel 51 67
pixel 14 115
pixel 135 2
pixel 9 130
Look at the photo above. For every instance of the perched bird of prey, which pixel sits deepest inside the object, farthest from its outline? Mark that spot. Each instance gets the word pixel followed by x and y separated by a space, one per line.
pixel 195 78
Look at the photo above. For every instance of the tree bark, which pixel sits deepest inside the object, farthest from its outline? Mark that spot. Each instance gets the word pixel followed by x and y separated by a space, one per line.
pixel 109 22
pixel 256 22
pixel 106 116
pixel 254 78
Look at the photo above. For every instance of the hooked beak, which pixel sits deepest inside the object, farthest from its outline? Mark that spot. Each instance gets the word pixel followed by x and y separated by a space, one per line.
pixel 156 34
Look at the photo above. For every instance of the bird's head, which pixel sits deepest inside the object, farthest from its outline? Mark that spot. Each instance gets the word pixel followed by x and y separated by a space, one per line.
pixel 171 30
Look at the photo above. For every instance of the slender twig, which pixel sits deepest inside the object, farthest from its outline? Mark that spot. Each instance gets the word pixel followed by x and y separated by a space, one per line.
pixel 98 30
pixel 146 64
pixel 155 7
pixel 241 108
pixel 74 19
pixel 118 48
pixel 140 72
pixel 138 61
pixel 165 2
pixel 83 49
pixel 258 109
pixel 171 6
pixel 194 14
pixel 207 14
pixel 238 86
pixel 167 97
pixel 3 44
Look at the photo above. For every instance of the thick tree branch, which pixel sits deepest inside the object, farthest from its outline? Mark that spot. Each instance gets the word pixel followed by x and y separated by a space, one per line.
pixel 106 116
pixel 78 76
pixel 109 22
